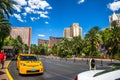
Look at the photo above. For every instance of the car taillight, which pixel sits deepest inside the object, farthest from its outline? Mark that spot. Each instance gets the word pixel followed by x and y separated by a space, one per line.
pixel 76 78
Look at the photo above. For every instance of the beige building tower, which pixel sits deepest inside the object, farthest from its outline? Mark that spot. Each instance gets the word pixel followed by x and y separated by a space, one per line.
pixel 67 33
pixel 114 17
pixel 24 33
pixel 74 30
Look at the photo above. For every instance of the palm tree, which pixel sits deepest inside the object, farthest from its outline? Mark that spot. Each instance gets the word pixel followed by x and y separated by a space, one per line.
pixel 106 41
pixel 18 45
pixel 85 47
pixel 64 46
pixel 6 7
pixel 115 40
pixel 77 45
pixel 93 39
pixel 4 29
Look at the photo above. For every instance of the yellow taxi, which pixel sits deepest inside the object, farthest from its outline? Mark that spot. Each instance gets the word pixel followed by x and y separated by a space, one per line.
pixel 29 64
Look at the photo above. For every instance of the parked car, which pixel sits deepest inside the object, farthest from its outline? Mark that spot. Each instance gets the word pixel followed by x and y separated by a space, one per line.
pixel 29 64
pixel 110 74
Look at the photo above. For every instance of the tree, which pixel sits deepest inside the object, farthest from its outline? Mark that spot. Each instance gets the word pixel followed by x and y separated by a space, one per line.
pixel 106 40
pixel 9 41
pixel 111 39
pixel 54 49
pixel 64 46
pixel 77 45
pixel 25 48
pixel 18 44
pixel 86 47
pixel 115 40
pixel 42 50
pixel 6 7
pixel 93 39
pixel 4 29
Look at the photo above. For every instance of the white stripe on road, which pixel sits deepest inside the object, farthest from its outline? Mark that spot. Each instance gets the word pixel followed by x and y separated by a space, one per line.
pixel 68 78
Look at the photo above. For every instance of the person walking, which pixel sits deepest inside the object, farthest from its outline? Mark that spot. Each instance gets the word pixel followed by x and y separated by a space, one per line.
pixel 2 58
pixel 92 64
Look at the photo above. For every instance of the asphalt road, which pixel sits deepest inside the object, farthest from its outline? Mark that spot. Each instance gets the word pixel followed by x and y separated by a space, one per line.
pixel 56 69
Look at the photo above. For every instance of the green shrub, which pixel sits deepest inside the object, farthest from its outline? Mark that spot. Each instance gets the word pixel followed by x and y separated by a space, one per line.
pixel 117 56
pixel 68 56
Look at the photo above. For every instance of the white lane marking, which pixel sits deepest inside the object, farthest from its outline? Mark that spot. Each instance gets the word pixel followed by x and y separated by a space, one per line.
pixel 68 78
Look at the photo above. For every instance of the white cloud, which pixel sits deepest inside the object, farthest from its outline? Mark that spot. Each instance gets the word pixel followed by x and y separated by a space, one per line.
pixel 19 5
pixel 28 10
pixel 17 8
pixel 34 18
pixel 32 7
pixel 49 7
pixel 41 35
pixel 39 4
pixel 44 4
pixel 46 22
pixel 21 2
pixel 33 4
pixel 24 14
pixel 115 6
pixel 81 1
pixel 18 17
pixel 43 15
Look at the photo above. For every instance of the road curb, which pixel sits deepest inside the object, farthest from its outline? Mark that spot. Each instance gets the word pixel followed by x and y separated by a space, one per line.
pixel 7 72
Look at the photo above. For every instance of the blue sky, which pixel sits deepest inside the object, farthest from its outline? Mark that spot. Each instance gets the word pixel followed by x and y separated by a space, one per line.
pixel 50 17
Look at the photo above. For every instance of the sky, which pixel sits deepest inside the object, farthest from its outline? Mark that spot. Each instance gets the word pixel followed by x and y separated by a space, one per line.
pixel 50 17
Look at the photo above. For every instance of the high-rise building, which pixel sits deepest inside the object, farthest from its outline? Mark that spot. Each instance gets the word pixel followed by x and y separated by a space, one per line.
pixel 67 32
pixel 54 40
pixel 114 17
pixel 24 33
pixel 49 43
pixel 74 30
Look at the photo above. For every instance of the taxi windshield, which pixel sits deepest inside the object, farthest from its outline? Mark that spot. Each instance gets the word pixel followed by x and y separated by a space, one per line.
pixel 29 58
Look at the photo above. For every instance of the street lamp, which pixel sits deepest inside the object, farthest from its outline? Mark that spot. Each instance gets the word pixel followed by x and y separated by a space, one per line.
pixel 111 53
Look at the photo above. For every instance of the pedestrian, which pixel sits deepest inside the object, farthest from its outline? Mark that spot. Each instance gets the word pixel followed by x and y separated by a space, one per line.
pixel 2 58
pixel 92 64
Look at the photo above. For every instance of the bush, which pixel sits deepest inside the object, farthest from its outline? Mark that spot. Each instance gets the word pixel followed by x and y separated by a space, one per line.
pixel 117 56
pixel 68 56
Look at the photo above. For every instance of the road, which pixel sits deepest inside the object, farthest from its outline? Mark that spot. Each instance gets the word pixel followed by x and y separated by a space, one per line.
pixel 56 69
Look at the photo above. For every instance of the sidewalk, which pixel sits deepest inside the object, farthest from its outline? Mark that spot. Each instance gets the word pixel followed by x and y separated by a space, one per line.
pixel 55 57
pixel 3 74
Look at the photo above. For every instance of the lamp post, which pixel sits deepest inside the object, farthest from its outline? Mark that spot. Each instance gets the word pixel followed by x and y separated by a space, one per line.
pixel 110 53
pixel 74 57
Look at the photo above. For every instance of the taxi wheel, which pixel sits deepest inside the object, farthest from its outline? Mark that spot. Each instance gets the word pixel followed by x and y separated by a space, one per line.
pixel 41 73
pixel 17 68
pixel 19 72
